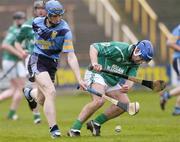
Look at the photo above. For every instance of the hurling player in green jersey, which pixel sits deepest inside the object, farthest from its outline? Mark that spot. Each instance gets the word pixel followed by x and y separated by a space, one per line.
pixel 13 66
pixel 25 44
pixel 118 57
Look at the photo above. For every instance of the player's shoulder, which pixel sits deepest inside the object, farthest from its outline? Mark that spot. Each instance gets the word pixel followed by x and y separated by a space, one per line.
pixel 63 29
pixel 27 24
pixel 120 44
pixel 176 30
pixel 177 27
pixel 64 25
pixel 38 20
pixel 12 28
pixel 29 21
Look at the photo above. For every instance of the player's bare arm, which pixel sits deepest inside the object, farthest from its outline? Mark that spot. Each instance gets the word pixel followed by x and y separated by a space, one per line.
pixel 126 86
pixel 12 50
pixel 19 48
pixel 73 63
pixel 93 57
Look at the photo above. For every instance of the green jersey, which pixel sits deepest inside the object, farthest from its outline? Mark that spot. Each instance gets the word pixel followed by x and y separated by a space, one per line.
pixel 115 56
pixel 10 39
pixel 26 35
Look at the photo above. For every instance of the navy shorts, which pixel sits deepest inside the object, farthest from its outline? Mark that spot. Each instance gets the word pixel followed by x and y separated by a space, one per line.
pixel 39 63
pixel 176 65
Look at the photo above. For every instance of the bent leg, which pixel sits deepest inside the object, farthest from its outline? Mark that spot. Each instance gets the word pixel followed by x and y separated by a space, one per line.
pixel 94 105
pixel 114 111
pixel 7 93
pixel 89 108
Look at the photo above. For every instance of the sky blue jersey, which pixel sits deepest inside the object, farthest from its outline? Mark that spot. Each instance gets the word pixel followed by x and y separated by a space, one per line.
pixel 50 41
pixel 176 32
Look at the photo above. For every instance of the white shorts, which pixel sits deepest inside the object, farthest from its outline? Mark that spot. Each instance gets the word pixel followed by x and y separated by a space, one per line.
pixel 12 71
pixel 91 77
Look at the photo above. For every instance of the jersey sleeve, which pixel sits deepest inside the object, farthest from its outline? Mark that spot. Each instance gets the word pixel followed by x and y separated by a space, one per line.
pixel 108 49
pixel 68 43
pixel 10 38
pixel 176 32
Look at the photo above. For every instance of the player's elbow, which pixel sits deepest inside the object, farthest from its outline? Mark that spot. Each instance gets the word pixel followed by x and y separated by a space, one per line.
pixel 71 57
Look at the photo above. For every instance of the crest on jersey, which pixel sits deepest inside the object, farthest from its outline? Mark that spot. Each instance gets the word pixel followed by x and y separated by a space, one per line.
pixel 53 35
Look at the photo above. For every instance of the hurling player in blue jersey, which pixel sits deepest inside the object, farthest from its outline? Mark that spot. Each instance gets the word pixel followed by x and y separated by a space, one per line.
pixel 165 96
pixel 52 35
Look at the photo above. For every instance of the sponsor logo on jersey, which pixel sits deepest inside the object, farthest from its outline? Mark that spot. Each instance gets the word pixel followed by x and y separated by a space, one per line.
pixel 115 68
pixel 53 35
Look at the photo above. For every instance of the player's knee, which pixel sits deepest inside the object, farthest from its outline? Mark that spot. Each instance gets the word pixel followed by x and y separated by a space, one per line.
pixel 48 89
pixel 49 92
pixel 99 102
pixel 50 95
pixel 118 110
pixel 52 92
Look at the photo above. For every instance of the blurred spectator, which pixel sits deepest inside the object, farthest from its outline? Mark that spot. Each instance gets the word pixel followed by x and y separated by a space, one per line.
pixel 13 66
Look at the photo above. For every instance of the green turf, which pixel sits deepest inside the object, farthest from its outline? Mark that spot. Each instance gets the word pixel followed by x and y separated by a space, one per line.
pixel 150 125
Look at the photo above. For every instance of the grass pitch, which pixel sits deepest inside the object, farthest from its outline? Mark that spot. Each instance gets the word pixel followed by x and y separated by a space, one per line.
pixel 149 125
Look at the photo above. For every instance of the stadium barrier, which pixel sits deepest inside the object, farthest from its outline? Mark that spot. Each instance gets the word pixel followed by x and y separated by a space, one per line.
pixel 66 78
pixel 142 13
pixel 106 16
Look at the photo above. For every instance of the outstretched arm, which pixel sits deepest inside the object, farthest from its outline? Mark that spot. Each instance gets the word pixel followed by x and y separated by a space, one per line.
pixel 12 50
pixel 19 48
pixel 73 63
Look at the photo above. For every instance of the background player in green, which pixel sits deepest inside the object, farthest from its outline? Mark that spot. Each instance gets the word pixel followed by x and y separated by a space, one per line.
pixel 119 57
pixel 12 62
pixel 26 35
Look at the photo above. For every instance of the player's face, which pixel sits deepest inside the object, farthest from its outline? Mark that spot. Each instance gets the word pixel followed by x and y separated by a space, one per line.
pixel 136 57
pixel 138 60
pixel 40 12
pixel 55 19
pixel 19 22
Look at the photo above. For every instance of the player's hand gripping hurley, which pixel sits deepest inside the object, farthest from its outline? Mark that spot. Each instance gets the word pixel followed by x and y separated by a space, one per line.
pixel 156 85
pixel 131 108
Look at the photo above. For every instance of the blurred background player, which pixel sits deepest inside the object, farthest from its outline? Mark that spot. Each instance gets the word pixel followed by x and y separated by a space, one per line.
pixel 119 57
pixel 175 45
pixel 13 65
pixel 27 35
pixel 52 35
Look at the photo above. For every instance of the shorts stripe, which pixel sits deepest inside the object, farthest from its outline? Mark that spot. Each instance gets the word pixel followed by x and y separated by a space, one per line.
pixel 176 65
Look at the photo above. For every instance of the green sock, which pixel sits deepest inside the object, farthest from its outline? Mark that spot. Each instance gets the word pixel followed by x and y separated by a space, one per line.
pixel 100 119
pixel 11 113
pixel 77 125
pixel 36 116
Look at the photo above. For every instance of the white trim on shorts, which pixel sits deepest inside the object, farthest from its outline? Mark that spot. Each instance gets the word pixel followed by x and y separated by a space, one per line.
pixel 91 77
